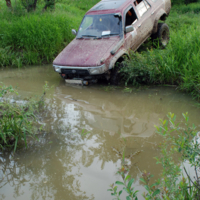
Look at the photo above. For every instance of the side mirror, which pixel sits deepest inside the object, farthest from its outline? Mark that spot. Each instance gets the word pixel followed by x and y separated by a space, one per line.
pixel 74 32
pixel 128 29
pixel 118 15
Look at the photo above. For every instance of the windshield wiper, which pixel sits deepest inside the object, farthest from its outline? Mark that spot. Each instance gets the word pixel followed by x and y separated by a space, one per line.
pixel 92 36
pixel 110 34
pixel 89 36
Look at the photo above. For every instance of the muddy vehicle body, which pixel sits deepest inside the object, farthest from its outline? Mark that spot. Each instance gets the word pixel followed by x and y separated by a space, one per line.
pixel 107 33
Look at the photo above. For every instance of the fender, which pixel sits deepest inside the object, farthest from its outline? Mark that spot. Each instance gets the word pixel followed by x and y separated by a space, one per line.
pixel 167 6
pixel 160 13
pixel 117 56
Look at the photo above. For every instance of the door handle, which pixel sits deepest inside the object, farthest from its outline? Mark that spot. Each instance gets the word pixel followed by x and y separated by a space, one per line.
pixel 139 26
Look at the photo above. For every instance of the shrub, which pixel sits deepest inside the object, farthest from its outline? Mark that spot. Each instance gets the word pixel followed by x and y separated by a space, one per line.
pixel 182 141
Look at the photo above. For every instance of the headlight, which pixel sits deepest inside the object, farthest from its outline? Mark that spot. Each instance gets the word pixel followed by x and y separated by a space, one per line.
pixel 57 69
pixel 97 70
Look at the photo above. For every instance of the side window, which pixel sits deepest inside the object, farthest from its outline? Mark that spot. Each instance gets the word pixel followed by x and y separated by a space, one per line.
pixel 131 17
pixel 142 6
pixel 86 23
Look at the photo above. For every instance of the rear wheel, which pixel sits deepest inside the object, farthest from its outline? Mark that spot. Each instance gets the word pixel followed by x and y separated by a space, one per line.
pixel 162 35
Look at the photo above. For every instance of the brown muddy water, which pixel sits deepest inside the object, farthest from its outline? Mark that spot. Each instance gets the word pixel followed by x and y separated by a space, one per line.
pixel 85 129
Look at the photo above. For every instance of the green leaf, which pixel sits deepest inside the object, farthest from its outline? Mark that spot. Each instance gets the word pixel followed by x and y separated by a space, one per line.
pixel 127 177
pixel 130 183
pixel 109 190
pixel 154 184
pixel 128 198
pixel 156 192
pixel 15 144
pixel 119 183
pixel 146 187
pixel 120 192
pixel 141 179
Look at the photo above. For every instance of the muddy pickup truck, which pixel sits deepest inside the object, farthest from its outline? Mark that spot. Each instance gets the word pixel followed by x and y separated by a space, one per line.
pixel 107 33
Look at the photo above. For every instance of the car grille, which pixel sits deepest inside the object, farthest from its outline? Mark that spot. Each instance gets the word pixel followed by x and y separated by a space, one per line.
pixel 75 72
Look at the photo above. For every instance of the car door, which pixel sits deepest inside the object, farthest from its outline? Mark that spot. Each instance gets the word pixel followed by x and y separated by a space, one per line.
pixel 131 19
pixel 145 22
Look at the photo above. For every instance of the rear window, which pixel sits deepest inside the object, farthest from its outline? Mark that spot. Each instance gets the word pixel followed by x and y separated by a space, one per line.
pixel 142 6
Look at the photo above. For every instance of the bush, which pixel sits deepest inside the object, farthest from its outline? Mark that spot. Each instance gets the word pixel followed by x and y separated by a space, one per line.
pixel 183 141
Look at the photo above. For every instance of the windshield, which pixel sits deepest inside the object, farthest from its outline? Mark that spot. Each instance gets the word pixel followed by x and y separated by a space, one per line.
pixel 98 26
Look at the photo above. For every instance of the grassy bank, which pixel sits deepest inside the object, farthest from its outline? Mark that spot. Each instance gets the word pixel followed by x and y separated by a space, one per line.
pixel 179 63
pixel 36 38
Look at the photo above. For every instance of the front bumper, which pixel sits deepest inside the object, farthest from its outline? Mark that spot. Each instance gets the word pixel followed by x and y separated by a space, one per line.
pixel 80 70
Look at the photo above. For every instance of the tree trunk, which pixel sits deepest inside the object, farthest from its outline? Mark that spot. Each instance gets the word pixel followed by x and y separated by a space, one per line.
pixel 49 4
pixel 8 3
pixel 31 6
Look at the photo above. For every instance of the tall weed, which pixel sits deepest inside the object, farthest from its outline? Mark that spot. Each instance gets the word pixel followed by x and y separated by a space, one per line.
pixel 34 38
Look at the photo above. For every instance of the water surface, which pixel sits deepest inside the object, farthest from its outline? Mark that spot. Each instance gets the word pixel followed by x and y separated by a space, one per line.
pixel 86 130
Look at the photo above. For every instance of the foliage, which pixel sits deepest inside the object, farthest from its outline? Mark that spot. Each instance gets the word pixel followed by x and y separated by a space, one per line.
pixel 185 142
pixel 175 2
pixel 32 39
pixel 126 183
pixel 180 145
pixel 17 120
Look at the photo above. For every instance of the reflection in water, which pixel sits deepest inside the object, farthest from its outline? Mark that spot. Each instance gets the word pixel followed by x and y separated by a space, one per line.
pixel 67 165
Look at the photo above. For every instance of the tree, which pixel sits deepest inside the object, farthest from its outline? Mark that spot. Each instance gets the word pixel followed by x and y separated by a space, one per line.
pixel 8 3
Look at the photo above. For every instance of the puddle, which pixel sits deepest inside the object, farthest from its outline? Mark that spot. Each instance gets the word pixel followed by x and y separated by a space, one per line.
pixel 87 129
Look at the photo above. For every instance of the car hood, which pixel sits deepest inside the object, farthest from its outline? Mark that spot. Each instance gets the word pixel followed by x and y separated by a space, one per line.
pixel 85 52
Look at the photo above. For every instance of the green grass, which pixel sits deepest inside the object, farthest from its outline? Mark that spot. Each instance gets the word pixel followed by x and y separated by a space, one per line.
pixel 36 38
pixel 33 39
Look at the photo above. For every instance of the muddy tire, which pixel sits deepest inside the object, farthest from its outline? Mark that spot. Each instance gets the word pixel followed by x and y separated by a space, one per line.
pixel 163 34
pixel 115 74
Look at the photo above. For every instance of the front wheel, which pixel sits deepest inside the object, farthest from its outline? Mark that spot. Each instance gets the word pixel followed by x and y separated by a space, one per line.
pixel 115 74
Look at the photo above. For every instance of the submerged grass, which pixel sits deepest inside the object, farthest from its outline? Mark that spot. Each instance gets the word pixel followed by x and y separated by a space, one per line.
pixel 178 63
pixel 18 120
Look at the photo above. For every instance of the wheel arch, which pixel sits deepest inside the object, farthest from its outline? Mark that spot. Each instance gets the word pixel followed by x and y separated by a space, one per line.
pixel 161 15
pixel 119 57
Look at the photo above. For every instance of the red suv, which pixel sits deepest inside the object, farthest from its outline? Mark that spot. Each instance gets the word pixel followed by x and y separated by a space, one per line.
pixel 107 33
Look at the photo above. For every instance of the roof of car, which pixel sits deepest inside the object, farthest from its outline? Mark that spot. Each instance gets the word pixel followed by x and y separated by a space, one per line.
pixel 112 5
pixel 108 4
